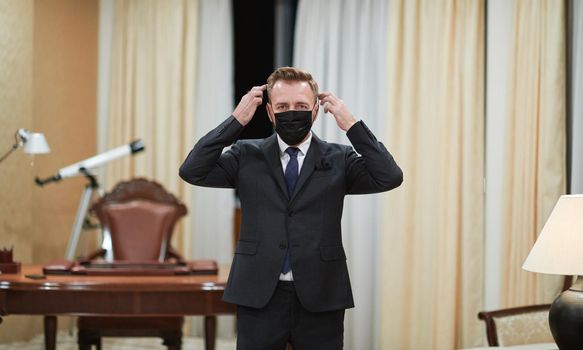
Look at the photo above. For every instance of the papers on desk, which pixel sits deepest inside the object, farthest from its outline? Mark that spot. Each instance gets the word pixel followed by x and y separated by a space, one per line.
pixel 131 268
pixel 545 346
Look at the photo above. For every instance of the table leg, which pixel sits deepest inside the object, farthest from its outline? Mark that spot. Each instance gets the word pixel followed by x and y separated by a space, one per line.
pixel 210 327
pixel 2 305
pixel 50 332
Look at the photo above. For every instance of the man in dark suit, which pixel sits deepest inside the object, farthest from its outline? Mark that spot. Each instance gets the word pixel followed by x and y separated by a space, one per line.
pixel 289 277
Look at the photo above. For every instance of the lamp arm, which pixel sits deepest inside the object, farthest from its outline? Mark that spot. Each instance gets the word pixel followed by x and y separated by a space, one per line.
pixel 12 149
pixel 20 137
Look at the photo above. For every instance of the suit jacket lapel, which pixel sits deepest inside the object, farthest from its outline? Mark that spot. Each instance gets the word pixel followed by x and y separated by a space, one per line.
pixel 271 153
pixel 309 165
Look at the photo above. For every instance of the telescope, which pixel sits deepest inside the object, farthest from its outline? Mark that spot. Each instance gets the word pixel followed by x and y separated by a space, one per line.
pixel 82 167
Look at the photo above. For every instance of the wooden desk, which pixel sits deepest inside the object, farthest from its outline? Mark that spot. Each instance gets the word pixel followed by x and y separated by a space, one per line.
pixel 113 296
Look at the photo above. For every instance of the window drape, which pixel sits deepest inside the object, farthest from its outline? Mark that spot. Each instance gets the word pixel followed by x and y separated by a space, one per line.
pixel 535 145
pixel 432 266
pixel 577 103
pixel 152 89
pixel 343 44
pixel 212 208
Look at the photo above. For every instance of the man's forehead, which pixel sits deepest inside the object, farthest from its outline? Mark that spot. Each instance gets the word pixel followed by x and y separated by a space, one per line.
pixel 291 90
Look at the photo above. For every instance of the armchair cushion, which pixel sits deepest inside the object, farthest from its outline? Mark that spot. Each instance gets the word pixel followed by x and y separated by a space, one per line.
pixel 527 328
pixel 518 325
pixel 145 226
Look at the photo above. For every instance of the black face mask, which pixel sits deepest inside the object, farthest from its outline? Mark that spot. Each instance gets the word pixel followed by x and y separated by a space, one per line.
pixel 293 126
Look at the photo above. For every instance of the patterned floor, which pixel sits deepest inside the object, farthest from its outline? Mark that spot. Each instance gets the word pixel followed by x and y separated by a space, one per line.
pixel 69 342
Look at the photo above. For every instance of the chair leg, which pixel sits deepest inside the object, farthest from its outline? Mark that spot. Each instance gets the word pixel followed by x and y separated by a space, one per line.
pixel 86 339
pixel 84 346
pixel 172 340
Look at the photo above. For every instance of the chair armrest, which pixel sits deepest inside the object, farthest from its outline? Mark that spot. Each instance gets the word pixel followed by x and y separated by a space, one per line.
pixel 174 254
pixel 99 253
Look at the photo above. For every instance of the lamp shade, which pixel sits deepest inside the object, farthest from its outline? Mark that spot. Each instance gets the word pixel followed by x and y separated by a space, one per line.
pixel 36 144
pixel 33 143
pixel 560 243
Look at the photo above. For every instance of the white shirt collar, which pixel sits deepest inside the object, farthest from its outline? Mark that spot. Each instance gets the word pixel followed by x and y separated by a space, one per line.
pixel 302 146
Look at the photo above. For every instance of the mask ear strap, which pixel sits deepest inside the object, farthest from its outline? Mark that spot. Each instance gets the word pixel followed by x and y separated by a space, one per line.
pixel 267 108
pixel 316 106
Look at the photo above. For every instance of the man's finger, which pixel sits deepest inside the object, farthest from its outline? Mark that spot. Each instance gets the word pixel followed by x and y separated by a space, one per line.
pixel 326 107
pixel 259 88
pixel 327 95
pixel 328 100
pixel 255 92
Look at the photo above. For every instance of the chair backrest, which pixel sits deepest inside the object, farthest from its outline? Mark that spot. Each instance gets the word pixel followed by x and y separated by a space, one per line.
pixel 140 216
pixel 518 326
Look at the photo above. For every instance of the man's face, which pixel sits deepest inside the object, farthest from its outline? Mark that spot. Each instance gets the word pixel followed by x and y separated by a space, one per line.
pixel 291 95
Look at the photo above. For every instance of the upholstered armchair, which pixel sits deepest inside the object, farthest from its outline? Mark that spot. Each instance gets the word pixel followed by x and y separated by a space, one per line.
pixel 140 216
pixel 518 325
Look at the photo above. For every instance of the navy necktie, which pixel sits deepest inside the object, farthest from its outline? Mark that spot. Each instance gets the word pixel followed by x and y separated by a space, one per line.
pixel 291 177
pixel 291 171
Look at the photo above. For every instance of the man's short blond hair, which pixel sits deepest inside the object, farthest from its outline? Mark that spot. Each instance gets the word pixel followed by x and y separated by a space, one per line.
pixel 291 74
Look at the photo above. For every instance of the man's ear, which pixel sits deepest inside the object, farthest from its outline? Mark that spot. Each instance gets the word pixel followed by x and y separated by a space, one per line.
pixel 270 113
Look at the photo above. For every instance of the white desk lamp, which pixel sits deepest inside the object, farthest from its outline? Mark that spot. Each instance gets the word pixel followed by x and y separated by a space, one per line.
pixel 33 143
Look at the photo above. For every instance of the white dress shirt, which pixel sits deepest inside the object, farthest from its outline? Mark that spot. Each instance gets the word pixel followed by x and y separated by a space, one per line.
pixel 284 157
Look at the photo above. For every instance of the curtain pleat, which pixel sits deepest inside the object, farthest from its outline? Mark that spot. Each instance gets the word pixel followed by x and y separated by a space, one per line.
pixel 343 44
pixel 153 74
pixel 577 103
pixel 432 266
pixel 212 208
pixel 535 145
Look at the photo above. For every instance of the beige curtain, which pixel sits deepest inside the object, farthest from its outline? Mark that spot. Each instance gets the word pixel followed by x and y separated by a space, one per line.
pixel 152 92
pixel 535 144
pixel 432 268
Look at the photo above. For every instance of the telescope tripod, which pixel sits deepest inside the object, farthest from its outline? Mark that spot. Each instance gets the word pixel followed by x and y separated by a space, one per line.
pixel 80 218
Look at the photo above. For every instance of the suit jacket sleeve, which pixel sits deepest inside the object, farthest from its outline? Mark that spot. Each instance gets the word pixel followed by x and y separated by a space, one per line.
pixel 206 165
pixel 374 170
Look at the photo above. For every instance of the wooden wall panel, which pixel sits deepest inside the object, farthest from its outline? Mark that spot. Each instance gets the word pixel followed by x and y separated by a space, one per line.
pixel 48 83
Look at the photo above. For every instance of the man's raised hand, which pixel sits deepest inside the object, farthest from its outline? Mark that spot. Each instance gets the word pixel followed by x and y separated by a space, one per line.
pixel 336 106
pixel 248 104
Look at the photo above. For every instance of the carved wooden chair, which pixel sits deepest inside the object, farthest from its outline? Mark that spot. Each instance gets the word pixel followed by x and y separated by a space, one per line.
pixel 140 216
pixel 518 325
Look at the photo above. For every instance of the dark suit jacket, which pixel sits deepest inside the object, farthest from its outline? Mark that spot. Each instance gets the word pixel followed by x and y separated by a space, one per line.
pixel 308 222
